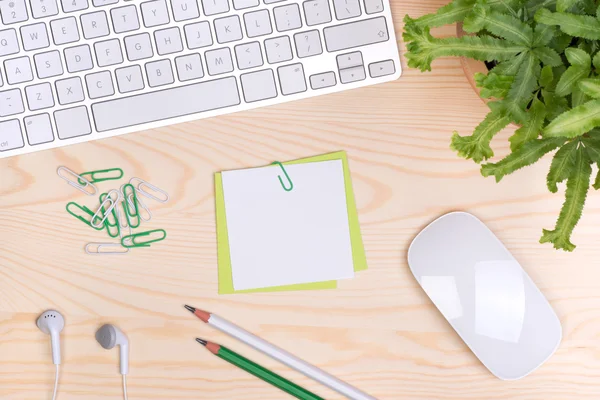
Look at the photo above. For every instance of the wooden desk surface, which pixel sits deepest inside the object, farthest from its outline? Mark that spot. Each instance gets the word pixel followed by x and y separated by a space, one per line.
pixel 378 331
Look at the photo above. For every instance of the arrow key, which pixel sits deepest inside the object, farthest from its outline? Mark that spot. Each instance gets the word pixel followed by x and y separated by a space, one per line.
pixel 382 68
pixel 323 80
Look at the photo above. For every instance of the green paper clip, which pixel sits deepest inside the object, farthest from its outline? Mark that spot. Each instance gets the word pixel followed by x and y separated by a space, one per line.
pixel 144 243
pixel 128 207
pixel 79 217
pixel 98 176
pixel 287 189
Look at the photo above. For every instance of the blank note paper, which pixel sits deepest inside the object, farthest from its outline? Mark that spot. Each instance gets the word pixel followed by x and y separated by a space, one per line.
pixel 279 237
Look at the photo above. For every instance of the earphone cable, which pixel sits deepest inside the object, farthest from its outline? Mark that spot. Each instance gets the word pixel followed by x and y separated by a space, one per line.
pixel 56 382
pixel 125 386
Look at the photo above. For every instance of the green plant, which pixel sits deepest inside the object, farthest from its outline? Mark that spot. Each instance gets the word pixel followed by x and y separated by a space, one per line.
pixel 544 75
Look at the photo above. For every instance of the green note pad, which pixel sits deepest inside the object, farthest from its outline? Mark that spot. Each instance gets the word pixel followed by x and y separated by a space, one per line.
pixel 224 261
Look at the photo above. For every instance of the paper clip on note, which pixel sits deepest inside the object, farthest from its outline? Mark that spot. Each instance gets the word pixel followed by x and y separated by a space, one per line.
pixel 130 240
pixel 291 184
pixel 101 175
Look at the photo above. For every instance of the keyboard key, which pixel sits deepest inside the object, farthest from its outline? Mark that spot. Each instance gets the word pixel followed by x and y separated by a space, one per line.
pixel 248 55
pixel 355 34
pixel 182 100
pixel 159 73
pixel 212 7
pixel 155 13
pixel 38 129
pixel 278 50
pixel 64 30
pixel 291 79
pixel 78 58
pixel 168 41
pixel 125 19
pixel 100 3
pixel 272 1
pixel 39 96
pixel 259 85
pixel 48 64
pixel 11 103
pixel 72 122
pixel 94 25
pixel 345 9
pixel 219 61
pixel 258 23
pixel 324 80
pixel 353 74
pixel 189 67
pixel 348 60
pixel 10 135
pixel 184 10
pixel 138 47
pixel 9 43
pixel 74 5
pixel 382 68
pixel 69 90
pixel 108 52
pixel 287 17
pixel 198 35
pixel 308 44
pixel 18 70
pixel 35 37
pixel 13 11
pixel 228 29
pixel 373 6
pixel 129 79
pixel 316 12
pixel 99 85
pixel 243 4
pixel 43 8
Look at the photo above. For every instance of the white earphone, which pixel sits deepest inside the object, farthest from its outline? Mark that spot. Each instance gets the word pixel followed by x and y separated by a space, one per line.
pixel 52 323
pixel 110 336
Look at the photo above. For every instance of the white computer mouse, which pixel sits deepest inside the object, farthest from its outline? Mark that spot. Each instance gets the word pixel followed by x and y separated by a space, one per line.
pixel 485 295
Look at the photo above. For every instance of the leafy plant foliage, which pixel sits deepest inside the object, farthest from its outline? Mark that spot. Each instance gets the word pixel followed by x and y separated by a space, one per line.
pixel 545 78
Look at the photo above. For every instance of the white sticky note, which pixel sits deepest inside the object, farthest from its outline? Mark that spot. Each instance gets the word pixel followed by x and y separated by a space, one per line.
pixel 279 237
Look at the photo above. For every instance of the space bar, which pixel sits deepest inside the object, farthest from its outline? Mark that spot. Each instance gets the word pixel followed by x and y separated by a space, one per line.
pixel 165 104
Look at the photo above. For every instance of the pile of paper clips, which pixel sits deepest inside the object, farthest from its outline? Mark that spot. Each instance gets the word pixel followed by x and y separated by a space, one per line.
pixel 120 210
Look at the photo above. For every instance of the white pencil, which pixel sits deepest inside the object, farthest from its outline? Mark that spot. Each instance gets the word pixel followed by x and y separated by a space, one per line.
pixel 281 355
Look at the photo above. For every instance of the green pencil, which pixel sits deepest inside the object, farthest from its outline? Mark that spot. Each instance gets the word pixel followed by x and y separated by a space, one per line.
pixel 258 371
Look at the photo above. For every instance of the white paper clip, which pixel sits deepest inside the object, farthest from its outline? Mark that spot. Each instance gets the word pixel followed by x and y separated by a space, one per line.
pixel 75 183
pixel 104 214
pixel 142 183
pixel 142 204
pixel 99 249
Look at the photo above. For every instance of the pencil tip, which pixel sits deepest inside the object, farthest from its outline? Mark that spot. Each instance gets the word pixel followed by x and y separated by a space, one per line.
pixel 202 342
pixel 190 308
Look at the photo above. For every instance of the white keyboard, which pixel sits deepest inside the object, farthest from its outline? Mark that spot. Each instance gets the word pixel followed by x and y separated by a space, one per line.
pixel 72 71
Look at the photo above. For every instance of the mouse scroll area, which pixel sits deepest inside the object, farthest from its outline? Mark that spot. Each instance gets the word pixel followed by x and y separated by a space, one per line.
pixel 485 294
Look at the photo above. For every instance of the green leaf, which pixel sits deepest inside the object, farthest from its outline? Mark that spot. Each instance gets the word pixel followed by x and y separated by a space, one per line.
pixel 546 76
pixel 578 57
pixel 521 91
pixel 578 97
pixel 562 165
pixel 424 48
pixel 564 5
pixel 592 146
pixel 555 105
pixel 569 79
pixel 493 85
pixel 456 11
pixel 575 122
pixel 527 154
pixel 543 35
pixel 560 42
pixel 590 86
pixel 477 146
pixel 577 188
pixel 583 26
pixel 534 5
pixel 502 25
pixel 548 56
pixel 532 128
pixel 509 67
pixel 596 60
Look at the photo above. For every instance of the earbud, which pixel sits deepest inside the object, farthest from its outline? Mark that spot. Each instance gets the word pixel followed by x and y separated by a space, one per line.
pixel 110 336
pixel 52 323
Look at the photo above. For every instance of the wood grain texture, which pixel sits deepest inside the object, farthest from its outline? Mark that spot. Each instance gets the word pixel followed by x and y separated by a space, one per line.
pixel 377 331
